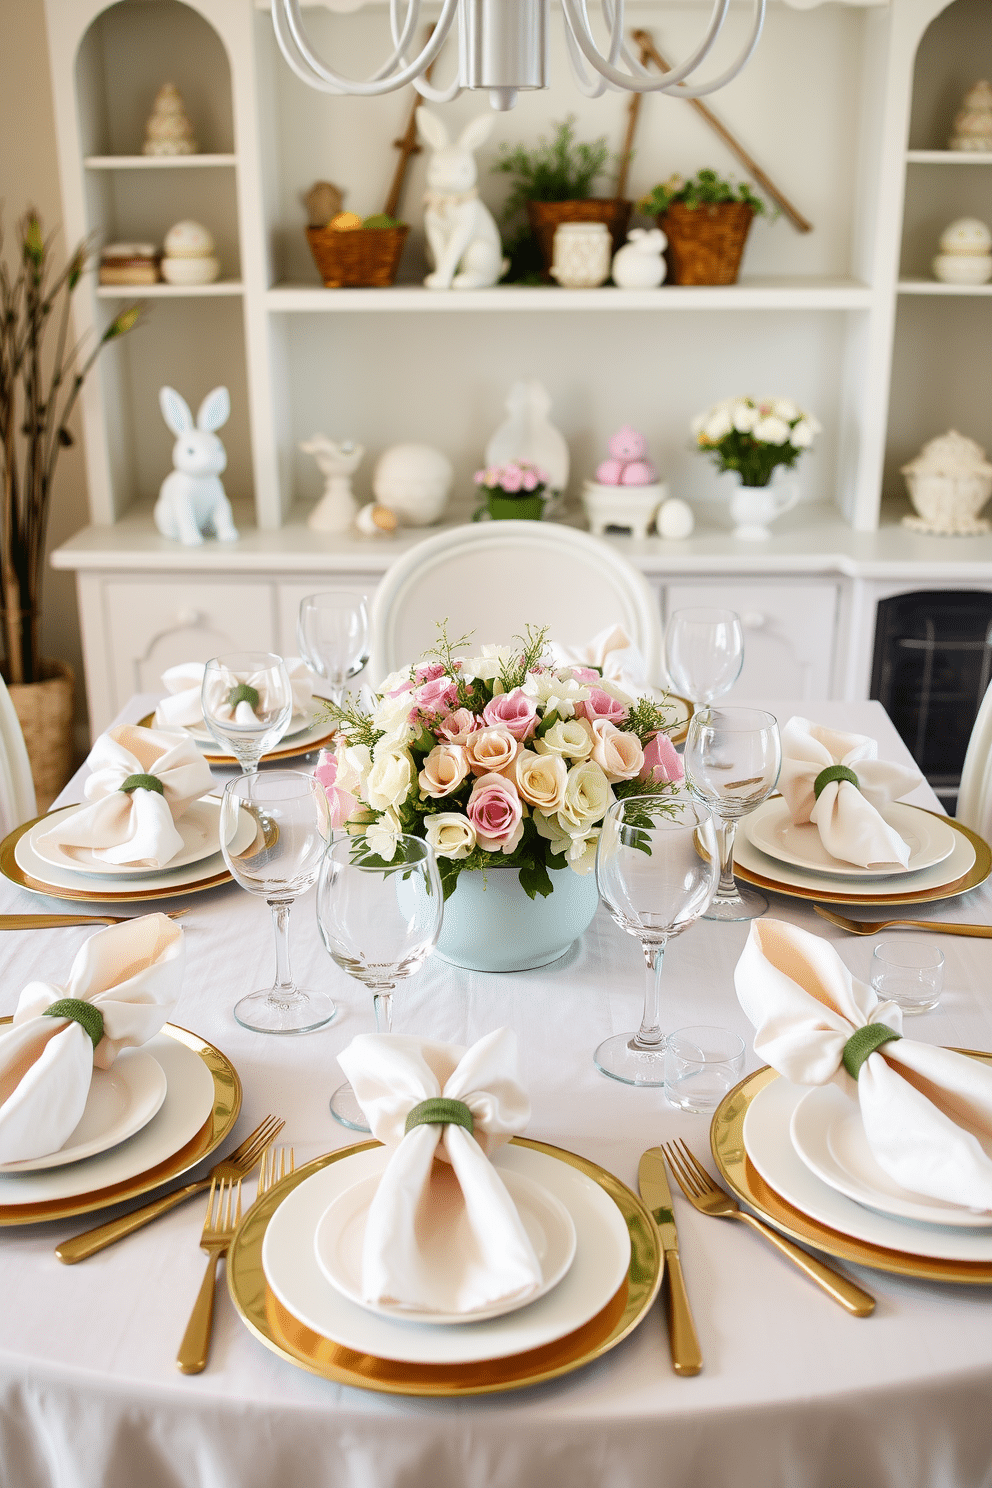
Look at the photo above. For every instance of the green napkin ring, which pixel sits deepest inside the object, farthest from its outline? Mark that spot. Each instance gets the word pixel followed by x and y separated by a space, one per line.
pixel 142 782
pixel 439 1111
pixel 243 693
pixel 834 772
pixel 865 1041
pixel 83 1013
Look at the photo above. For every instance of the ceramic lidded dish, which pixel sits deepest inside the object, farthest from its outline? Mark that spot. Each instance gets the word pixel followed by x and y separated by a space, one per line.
pixel 949 482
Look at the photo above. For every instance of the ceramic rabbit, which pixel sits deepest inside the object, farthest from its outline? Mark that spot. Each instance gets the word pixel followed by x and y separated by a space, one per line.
pixel 461 232
pixel 191 501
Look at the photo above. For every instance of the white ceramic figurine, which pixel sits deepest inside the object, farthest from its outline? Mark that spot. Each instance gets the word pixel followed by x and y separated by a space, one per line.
pixel 461 231
pixel 191 500
pixel 337 508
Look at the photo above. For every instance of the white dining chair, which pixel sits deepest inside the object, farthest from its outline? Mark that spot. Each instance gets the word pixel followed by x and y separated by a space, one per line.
pixel 974 808
pixel 492 578
pixel 17 800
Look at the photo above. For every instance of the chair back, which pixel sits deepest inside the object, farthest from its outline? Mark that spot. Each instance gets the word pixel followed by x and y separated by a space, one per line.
pixel 17 800
pixel 974 808
pixel 493 578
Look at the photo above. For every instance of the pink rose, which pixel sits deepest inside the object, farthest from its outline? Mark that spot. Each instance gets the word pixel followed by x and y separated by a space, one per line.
pixel 341 802
pixel 495 811
pixel 513 711
pixel 587 674
pixel 436 695
pixel 661 761
pixel 428 671
pixel 600 705
pixel 511 478
pixel 458 725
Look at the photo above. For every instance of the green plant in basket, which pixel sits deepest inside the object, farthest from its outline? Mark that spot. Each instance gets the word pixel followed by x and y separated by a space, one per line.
pixel 705 188
pixel 561 168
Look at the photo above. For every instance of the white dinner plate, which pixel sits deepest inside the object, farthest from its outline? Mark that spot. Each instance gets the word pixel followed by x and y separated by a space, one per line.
pixel 829 1135
pixel 297 724
pixel 768 1144
pixel 341 1234
pixel 189 1100
pixel 602 1256
pixel 120 1102
pixel 199 827
pixel 861 890
pixel 772 831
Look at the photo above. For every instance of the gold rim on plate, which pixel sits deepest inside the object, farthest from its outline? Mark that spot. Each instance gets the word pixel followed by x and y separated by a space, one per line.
pixel 227 1104
pixel 11 869
pixel 679 732
pixel 290 752
pixel 976 875
pixel 727 1146
pixel 286 1336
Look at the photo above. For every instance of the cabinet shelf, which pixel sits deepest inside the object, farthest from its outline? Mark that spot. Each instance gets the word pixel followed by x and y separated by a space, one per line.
pixel 949 157
pixel 936 287
pixel 169 291
pixel 157 162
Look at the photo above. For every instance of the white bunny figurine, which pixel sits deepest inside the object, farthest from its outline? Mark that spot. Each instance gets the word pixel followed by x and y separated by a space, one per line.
pixel 191 500
pixel 461 231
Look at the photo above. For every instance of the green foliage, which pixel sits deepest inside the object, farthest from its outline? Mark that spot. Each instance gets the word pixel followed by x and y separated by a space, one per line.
pixel 532 642
pixel 754 461
pixel 704 189
pixel 648 718
pixel 379 219
pixel 557 169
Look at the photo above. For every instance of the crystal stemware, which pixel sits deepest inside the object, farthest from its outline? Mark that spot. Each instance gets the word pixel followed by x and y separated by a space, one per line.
pixel 656 870
pixel 732 761
pixel 334 634
pixel 247 703
pixel 704 650
pixel 378 921
pixel 280 861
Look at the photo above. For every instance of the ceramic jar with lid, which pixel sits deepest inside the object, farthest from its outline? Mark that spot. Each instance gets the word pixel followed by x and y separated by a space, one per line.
pixel 582 255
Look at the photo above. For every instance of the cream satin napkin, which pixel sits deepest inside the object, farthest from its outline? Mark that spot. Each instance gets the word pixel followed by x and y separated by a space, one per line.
pixel 837 782
pixel 141 781
pixel 181 709
pixel 927 1112
pixel 398 1078
pixel 120 990
pixel 616 656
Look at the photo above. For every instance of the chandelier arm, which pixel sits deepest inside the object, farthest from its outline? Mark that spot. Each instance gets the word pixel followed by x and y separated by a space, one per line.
pixel 291 56
pixel 438 95
pixel 585 84
pixel 313 63
pixel 402 34
pixel 703 89
pixel 577 23
pixel 318 76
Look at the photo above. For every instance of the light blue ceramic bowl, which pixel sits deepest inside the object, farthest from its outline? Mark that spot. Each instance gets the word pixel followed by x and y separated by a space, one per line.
pixel 491 925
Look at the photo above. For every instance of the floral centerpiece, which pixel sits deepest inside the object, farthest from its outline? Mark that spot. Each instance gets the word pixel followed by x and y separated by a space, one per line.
pixel 517 489
pixel 504 758
pixel 757 440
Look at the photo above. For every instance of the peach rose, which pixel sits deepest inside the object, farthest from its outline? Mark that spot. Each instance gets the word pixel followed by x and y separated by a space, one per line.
pixel 540 779
pixel 618 755
pixel 443 771
pixel 456 728
pixel 495 811
pixel 490 750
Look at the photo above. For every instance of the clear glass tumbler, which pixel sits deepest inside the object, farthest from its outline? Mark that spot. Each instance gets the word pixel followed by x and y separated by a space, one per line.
pixel 701 1065
pixel 909 972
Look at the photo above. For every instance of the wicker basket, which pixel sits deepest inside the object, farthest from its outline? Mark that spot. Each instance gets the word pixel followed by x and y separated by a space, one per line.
pixel 706 243
pixel 364 257
pixel 44 711
pixel 545 217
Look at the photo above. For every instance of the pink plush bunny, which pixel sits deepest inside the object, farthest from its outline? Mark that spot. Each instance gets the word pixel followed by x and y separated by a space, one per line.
pixel 627 467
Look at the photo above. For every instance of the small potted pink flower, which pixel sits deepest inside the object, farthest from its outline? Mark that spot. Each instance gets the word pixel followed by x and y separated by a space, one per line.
pixel 517 489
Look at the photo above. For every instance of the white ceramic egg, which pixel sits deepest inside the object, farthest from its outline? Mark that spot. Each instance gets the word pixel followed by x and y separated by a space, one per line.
pixel 190 270
pixel 413 480
pixel 966 235
pixel 674 519
pixel 188 240
pixel 963 268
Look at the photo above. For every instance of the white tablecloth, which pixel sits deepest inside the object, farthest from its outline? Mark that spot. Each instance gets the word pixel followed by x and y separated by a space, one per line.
pixel 794 1393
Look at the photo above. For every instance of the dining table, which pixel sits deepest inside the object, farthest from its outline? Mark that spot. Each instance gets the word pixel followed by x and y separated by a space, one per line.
pixel 794 1391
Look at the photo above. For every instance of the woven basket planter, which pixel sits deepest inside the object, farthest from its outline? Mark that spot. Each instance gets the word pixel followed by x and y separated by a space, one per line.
pixel 706 243
pixel 545 217
pixel 365 257
pixel 44 710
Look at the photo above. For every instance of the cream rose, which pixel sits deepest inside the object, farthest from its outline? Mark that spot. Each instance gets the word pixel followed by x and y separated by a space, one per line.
pixel 540 779
pixel 389 780
pixel 490 750
pixel 382 836
pixel 572 737
pixel 582 852
pixel 550 828
pixel 619 755
pixel 354 764
pixel 444 770
pixel 450 834
pixel 588 796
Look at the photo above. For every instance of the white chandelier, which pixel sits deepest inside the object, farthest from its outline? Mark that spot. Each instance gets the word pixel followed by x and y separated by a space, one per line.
pixel 503 50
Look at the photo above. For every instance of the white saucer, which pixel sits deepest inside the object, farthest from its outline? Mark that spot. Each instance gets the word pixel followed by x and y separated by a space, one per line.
pixel 199 827
pixel 602 1257
pixel 341 1233
pixel 771 830
pixel 829 1135
pixel 121 1101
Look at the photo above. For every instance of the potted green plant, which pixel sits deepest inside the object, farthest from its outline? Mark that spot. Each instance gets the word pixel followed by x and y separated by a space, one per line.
pixel 552 183
pixel 39 385
pixel 706 220
pixel 513 491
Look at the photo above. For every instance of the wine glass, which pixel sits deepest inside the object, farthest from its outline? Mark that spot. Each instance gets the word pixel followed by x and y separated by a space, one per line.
pixel 247 703
pixel 704 650
pixel 656 871
pixel 334 635
pixel 280 860
pixel 732 761
pixel 379 921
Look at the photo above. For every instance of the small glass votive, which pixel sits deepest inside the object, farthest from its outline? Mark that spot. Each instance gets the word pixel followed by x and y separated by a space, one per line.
pixel 908 972
pixel 701 1065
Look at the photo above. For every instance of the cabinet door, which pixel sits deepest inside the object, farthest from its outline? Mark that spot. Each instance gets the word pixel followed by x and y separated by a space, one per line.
pixel 788 634
pixel 156 624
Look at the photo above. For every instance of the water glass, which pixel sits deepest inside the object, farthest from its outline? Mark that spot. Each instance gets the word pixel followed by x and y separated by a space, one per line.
pixel 247 703
pixel 701 1065
pixel 334 634
pixel 704 651
pixel 908 972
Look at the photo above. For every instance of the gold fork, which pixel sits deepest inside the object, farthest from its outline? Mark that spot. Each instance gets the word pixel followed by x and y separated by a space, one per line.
pixel 238 1164
pixel 706 1196
pixel 872 927
pixel 57 921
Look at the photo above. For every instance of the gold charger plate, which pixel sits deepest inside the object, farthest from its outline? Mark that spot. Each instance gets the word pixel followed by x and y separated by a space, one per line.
pixel 227 1104
pixel 976 875
pixel 286 1336
pixel 288 752
pixel 10 868
pixel 679 731
pixel 727 1146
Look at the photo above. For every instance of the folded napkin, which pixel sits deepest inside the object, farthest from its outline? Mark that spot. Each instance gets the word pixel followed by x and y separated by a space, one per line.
pixel 616 656
pixel 837 781
pixel 141 782
pixel 927 1112
pixel 182 708
pixel 119 992
pixel 400 1081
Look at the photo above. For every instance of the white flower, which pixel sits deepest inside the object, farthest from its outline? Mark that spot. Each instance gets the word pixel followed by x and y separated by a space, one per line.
pixel 490 663
pixel 588 796
pixel 555 692
pixel 718 425
pixel 569 736
pixel 582 853
pixel 784 408
pixel 699 423
pixel 550 827
pixel 354 764
pixel 744 415
pixel 802 434
pixel 772 430
pixel 389 780
pixel 394 680
pixel 450 834
pixel 382 836
pixel 392 713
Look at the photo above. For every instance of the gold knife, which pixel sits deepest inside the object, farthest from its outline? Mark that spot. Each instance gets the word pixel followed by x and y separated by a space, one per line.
pixel 652 1181
pixel 56 921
